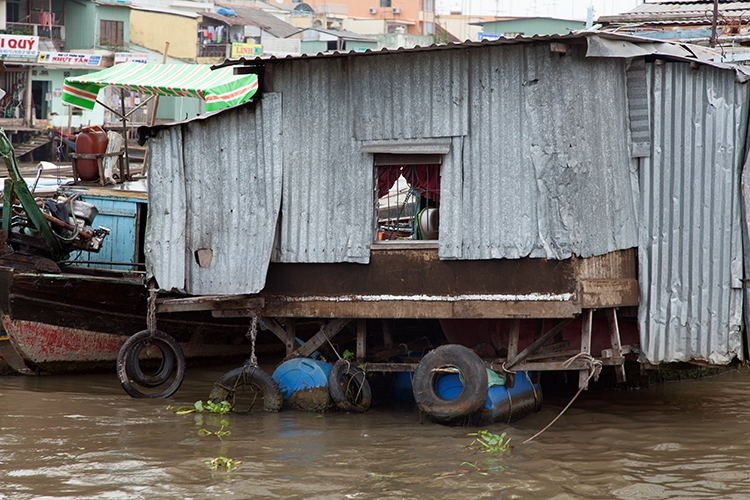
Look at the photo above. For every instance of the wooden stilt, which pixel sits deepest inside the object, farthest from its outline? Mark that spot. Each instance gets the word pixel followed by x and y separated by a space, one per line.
pixel 614 331
pixel 586 317
pixel 515 328
pixel 326 333
pixel 387 334
pixel 361 339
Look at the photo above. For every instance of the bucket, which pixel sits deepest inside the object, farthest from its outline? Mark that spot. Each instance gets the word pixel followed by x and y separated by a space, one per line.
pixel 303 383
pixel 502 404
pixel 91 140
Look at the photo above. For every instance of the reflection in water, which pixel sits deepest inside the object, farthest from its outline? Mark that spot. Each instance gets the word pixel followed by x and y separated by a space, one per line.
pixel 83 437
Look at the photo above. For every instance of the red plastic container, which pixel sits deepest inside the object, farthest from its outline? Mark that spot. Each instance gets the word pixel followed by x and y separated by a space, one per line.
pixel 91 140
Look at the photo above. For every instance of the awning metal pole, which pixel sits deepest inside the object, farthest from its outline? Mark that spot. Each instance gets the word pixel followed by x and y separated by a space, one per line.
pixel 126 174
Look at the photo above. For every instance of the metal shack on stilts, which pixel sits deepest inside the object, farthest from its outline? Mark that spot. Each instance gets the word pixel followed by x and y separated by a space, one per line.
pixel 556 203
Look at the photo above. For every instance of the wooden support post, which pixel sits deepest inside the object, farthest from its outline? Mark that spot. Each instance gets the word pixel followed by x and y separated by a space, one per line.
pixel 326 333
pixel 515 328
pixel 387 334
pixel 280 332
pixel 614 331
pixel 586 319
pixel 291 335
pixel 539 342
pixel 361 339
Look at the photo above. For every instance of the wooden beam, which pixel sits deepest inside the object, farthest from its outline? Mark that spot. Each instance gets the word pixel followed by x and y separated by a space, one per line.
pixel 539 342
pixel 208 303
pixel 583 374
pixel 361 339
pixel 515 329
pixel 387 333
pixel 281 332
pixel 614 331
pixel 326 333
pixel 390 367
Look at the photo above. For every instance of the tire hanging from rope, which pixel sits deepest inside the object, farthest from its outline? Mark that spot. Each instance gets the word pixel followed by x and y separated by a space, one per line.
pixel 129 370
pixel 248 376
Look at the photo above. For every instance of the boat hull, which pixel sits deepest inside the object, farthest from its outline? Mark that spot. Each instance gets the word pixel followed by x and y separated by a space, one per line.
pixel 71 323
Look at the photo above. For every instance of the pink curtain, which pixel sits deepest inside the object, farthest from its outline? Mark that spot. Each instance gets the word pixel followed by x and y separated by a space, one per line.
pixel 424 179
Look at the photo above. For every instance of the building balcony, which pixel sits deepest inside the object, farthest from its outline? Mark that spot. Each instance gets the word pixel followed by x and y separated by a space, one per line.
pixel 51 31
pixel 222 50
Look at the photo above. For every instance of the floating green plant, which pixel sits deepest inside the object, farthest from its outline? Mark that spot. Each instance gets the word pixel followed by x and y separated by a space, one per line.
pixel 223 463
pixel 221 408
pixel 220 433
pixel 489 442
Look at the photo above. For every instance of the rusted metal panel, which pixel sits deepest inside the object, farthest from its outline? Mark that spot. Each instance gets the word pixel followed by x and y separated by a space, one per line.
pixel 690 252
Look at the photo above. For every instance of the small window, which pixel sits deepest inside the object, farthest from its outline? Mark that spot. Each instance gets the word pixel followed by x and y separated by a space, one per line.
pixel 385 3
pixel 111 33
pixel 408 197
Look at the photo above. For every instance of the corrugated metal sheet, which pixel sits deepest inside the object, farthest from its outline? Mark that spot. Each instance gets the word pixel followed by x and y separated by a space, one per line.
pixel 547 168
pixel 165 227
pixel 216 186
pixel 327 206
pixel 690 258
pixel 410 97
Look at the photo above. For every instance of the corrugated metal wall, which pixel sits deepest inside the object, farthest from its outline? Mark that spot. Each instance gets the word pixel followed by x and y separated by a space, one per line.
pixel 216 185
pixel 539 165
pixel 547 165
pixel 690 255
pixel 326 213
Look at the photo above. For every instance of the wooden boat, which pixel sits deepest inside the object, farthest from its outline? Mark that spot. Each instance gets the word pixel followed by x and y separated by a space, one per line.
pixel 68 305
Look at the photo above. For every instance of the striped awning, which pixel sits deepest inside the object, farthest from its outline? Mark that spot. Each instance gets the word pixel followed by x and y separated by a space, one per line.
pixel 220 88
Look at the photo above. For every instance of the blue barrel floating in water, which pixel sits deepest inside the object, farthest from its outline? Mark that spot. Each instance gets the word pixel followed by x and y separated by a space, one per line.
pixel 502 404
pixel 304 383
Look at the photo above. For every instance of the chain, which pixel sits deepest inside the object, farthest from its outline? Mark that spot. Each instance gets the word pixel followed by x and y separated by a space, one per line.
pixel 252 334
pixel 151 317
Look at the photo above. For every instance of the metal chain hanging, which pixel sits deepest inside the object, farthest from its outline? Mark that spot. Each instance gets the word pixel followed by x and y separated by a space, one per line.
pixel 151 316
pixel 252 334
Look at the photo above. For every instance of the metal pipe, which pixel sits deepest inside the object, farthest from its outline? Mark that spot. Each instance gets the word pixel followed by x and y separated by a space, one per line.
pixel 713 23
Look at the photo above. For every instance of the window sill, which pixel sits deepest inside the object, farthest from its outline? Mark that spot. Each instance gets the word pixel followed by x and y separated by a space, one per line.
pixel 404 245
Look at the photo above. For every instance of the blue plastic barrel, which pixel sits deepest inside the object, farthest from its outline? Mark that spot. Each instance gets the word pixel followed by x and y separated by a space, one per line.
pixel 300 374
pixel 502 404
pixel 402 387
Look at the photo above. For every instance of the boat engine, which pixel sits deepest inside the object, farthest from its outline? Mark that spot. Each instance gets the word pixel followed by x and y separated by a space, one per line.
pixel 71 221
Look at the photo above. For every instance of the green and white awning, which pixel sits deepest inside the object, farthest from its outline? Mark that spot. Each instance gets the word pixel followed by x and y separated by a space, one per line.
pixel 220 88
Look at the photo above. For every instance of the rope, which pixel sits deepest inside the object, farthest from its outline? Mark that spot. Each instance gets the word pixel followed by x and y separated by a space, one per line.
pixel 595 368
pixel 151 316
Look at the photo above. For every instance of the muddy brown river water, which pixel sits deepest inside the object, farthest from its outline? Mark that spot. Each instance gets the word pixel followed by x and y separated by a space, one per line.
pixel 82 437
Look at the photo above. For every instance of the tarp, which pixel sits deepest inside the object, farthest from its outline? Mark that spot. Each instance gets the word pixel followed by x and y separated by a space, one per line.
pixel 220 88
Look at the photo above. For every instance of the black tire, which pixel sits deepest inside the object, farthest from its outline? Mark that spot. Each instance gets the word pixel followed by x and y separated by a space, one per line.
pixel 162 373
pixel 474 374
pixel 234 381
pixel 348 387
pixel 126 361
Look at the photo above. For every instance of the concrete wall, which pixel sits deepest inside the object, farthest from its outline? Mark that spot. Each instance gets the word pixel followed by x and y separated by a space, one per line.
pixel 152 29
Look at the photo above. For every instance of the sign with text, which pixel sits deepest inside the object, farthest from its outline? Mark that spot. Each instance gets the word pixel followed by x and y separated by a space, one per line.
pixel 69 59
pixel 19 46
pixel 123 57
pixel 246 50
